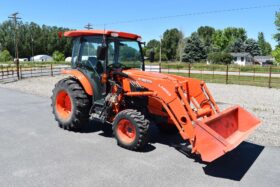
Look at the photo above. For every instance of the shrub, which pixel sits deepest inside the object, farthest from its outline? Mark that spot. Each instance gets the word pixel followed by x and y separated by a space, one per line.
pixel 58 56
pixel 5 56
pixel 220 58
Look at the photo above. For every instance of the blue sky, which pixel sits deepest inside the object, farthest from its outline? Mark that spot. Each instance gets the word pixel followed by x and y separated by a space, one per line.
pixel 75 14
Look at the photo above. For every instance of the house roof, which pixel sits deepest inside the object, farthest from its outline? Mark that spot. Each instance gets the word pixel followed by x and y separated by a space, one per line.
pixel 264 58
pixel 240 54
pixel 100 32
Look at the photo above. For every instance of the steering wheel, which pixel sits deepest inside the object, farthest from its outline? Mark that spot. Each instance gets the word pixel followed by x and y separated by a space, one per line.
pixel 117 66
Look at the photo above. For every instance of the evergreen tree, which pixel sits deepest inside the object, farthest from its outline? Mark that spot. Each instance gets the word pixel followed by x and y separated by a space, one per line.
pixel 265 47
pixel 170 43
pixel 252 47
pixel 194 50
pixel 277 23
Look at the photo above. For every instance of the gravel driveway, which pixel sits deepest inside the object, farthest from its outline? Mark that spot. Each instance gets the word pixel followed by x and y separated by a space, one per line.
pixel 263 102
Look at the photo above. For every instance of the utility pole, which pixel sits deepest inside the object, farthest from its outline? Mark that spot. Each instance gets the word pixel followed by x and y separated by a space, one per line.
pixel 88 26
pixel 14 17
pixel 160 46
pixel 32 40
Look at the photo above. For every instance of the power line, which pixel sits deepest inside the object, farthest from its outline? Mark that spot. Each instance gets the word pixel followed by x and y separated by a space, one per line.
pixel 191 14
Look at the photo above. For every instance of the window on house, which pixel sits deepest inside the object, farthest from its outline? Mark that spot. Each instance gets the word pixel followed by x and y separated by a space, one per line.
pixel 242 59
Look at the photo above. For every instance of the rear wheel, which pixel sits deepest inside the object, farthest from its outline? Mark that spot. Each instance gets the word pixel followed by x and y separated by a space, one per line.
pixel 131 129
pixel 70 104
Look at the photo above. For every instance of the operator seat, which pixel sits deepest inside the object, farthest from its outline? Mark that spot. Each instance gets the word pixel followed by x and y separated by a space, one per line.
pixel 97 64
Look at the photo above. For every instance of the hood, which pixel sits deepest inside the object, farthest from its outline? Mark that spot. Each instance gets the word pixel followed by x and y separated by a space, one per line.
pixel 153 75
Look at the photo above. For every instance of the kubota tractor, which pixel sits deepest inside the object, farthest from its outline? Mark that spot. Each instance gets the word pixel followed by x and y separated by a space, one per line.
pixel 108 83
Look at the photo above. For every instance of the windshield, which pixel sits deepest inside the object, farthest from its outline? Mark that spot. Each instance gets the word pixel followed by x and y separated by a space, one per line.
pixel 126 52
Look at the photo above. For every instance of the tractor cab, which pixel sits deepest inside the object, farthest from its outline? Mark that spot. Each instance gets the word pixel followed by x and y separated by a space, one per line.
pixel 96 53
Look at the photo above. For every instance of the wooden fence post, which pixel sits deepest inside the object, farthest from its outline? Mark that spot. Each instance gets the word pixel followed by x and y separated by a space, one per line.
pixel 167 68
pixel 269 79
pixel 227 75
pixel 189 69
pixel 2 71
pixel 51 70
pixel 213 72
pixel 201 71
pixel 20 71
pixel 31 72
pixel 239 74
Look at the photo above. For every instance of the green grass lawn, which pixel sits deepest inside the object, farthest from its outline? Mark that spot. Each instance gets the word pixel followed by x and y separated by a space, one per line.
pixel 233 79
pixel 218 67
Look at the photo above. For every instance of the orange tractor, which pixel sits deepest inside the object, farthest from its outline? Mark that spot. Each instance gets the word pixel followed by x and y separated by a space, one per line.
pixel 108 83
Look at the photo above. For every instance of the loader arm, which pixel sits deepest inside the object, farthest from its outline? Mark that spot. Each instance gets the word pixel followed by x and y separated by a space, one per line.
pixel 193 110
pixel 176 97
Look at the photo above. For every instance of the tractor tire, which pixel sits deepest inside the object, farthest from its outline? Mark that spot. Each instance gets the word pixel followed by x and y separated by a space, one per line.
pixel 130 129
pixel 71 104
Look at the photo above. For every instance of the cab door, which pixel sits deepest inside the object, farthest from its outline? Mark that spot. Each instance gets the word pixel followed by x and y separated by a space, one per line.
pixel 86 60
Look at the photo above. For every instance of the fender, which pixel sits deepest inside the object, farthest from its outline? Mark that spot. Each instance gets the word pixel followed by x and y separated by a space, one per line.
pixel 82 79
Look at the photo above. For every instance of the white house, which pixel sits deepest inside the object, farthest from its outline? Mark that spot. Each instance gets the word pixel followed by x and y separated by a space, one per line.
pixel 41 58
pixel 242 59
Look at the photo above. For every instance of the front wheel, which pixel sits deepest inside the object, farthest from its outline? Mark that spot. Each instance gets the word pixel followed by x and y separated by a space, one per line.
pixel 131 129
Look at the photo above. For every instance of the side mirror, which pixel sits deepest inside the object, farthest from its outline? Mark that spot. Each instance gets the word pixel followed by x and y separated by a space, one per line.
pixel 101 53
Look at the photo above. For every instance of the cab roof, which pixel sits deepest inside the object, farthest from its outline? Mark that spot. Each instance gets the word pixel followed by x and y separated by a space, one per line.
pixel 78 33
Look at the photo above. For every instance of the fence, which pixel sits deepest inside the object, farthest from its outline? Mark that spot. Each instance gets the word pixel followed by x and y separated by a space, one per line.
pixel 268 76
pixel 8 73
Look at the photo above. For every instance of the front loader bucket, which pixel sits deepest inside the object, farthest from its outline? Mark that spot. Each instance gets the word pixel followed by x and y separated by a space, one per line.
pixel 222 132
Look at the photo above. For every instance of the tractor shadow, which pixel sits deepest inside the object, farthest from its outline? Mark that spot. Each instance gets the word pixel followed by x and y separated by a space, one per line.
pixel 106 131
pixel 233 165
pixel 95 126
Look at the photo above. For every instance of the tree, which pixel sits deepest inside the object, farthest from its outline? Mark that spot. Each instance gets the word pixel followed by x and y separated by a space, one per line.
pixel 232 33
pixel 265 47
pixel 220 58
pixel 220 42
pixel 58 56
pixel 152 55
pixel 277 23
pixel 170 43
pixel 194 50
pixel 223 38
pixel 5 56
pixel 205 34
pixel 252 47
pixel 152 46
pixel 276 55
pixel 181 46
pixel 42 39
pixel 236 47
